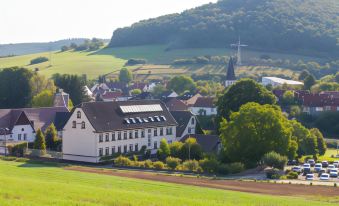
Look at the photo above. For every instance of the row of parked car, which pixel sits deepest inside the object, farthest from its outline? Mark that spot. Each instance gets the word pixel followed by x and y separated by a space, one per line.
pixel 324 170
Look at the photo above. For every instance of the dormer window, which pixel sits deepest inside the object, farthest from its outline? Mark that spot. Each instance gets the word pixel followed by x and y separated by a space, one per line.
pixel 192 121
pixel 74 124
pixel 83 126
pixel 79 115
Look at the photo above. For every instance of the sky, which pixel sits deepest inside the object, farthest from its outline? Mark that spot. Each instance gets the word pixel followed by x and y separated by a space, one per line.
pixel 50 20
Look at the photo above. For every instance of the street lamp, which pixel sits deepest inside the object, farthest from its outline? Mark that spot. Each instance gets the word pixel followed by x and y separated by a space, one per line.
pixel 5 130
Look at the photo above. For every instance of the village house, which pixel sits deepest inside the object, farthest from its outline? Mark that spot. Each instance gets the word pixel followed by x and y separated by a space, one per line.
pixel 187 123
pixel 22 124
pixel 98 129
pixel 315 104
pixel 204 106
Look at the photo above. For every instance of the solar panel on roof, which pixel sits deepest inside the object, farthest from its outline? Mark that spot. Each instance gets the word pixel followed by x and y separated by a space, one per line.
pixel 141 108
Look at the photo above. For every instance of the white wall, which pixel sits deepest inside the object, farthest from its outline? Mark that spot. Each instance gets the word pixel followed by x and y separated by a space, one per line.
pixel 190 127
pixel 20 130
pixel 83 144
pixel 209 110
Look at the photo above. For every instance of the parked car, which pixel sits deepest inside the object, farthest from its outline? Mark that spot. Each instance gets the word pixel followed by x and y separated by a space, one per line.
pixel 324 176
pixel 310 177
pixel 334 172
pixel 292 162
pixel 321 172
pixel 306 168
pixel 311 162
pixel 318 167
pixel 336 164
pixel 324 163
pixel 297 169
pixel 330 167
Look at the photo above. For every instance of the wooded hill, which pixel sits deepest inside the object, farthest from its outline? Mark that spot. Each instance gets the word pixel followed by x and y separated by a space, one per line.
pixel 297 26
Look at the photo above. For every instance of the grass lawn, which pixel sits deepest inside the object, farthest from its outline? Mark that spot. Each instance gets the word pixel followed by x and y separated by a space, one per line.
pixel 37 184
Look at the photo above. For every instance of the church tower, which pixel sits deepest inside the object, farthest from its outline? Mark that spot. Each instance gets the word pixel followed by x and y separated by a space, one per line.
pixel 230 77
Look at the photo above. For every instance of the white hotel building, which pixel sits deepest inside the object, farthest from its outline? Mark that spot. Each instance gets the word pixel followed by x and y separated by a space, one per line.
pixel 98 129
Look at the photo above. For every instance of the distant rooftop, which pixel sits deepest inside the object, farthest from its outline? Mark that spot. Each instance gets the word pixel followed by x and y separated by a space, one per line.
pixel 282 81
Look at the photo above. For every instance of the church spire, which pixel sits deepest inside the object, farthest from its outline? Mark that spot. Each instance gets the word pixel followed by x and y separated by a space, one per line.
pixel 230 71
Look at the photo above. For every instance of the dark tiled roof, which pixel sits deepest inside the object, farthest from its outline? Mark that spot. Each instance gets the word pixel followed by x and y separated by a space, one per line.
pixel 209 143
pixel 204 102
pixel 183 118
pixel 111 95
pixel 174 104
pixel 319 100
pixel 107 116
pixel 9 118
pixel 61 119
pixel 143 96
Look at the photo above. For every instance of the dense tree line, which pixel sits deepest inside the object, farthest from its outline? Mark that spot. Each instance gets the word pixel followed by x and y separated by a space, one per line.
pixel 289 25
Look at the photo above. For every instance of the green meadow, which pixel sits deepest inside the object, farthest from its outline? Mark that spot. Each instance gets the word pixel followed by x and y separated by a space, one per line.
pixel 25 184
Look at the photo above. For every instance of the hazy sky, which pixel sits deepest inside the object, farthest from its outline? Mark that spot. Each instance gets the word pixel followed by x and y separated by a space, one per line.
pixel 49 20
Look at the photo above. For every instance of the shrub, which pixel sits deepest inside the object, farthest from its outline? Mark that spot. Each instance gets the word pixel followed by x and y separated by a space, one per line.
pixel 164 149
pixel 223 169
pixel 274 160
pixel 158 165
pixel 148 164
pixel 191 165
pixel 21 159
pixel 175 148
pixel 273 174
pixel 172 162
pixel 132 62
pixel 236 167
pixel 209 165
pixel 39 60
pixel 8 158
pixel 122 161
pixel 292 175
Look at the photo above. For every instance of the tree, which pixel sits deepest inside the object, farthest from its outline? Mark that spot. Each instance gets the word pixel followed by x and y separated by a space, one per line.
pixel 158 90
pixel 39 60
pixel 40 83
pixel 336 77
pixel 73 85
pixel 43 99
pixel 180 84
pixel 175 148
pixel 125 76
pixel 274 160
pixel 15 88
pixel 303 75
pixel 136 91
pixel 191 150
pixel 240 93
pixel 172 162
pixel 309 81
pixel 164 150
pixel 39 142
pixel 288 98
pixel 320 140
pixel 254 131
pixel 307 143
pixel 51 137
pixel 65 48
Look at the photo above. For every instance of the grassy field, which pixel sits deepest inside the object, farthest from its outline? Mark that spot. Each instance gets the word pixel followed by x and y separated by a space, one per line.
pixel 108 60
pixel 68 63
pixel 36 184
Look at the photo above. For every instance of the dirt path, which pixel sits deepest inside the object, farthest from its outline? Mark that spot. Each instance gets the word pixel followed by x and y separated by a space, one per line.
pixel 242 186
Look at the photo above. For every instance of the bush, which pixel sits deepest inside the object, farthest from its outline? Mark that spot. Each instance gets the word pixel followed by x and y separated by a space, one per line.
pixel 273 174
pixel 172 162
pixel 122 161
pixel 132 62
pixel 236 167
pixel 191 165
pixel 184 61
pixel 292 175
pixel 8 158
pixel 39 60
pixel 158 165
pixel 209 165
pixel 148 164
pixel 274 160
pixel 21 159
pixel 223 169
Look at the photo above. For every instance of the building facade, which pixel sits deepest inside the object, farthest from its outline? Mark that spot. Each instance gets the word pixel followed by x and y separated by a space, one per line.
pixel 99 129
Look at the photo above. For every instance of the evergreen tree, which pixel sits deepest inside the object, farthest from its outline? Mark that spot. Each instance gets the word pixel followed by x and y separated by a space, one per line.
pixel 309 81
pixel 39 143
pixel 51 137
pixel 125 76
pixel 164 150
